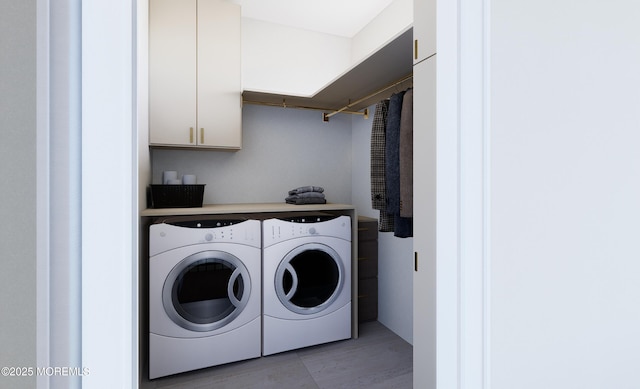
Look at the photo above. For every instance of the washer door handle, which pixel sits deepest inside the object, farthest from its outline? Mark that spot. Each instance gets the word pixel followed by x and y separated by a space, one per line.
pixel 294 281
pixel 232 281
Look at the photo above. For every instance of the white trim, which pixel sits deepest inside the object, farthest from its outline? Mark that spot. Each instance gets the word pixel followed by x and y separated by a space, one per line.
pixel 109 192
pixel 486 34
pixel 463 194
pixel 474 194
pixel 65 203
pixel 139 12
pixel 42 191
pixel 447 187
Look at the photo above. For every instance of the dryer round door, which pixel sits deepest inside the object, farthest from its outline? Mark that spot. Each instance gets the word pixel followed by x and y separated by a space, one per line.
pixel 206 291
pixel 309 278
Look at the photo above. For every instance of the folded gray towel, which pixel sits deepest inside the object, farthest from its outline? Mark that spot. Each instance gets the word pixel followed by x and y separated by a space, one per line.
pixel 308 194
pixel 304 189
pixel 306 200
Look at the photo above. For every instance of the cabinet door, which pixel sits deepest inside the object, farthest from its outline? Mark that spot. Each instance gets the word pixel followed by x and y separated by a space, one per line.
pixel 172 72
pixel 219 68
pixel 424 29
pixel 424 242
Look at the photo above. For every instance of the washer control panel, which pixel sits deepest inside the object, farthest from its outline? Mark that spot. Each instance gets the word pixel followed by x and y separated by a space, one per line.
pixel 205 223
pixel 169 235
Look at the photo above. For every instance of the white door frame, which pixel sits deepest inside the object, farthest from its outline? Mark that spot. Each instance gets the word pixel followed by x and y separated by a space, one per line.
pixel 462 194
pixel 87 276
pixel 110 214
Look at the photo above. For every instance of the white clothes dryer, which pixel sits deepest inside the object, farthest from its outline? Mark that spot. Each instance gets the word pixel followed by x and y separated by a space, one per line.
pixel 204 293
pixel 306 282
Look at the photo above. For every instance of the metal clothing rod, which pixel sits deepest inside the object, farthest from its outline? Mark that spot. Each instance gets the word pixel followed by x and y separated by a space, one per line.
pixel 285 105
pixel 326 116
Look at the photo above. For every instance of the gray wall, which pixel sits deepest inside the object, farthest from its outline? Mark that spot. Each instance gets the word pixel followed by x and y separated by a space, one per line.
pixel 282 149
pixel 18 205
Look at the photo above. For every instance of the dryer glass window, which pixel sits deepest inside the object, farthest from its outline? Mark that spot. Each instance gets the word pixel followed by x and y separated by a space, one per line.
pixel 309 279
pixel 200 292
pixel 318 278
pixel 205 291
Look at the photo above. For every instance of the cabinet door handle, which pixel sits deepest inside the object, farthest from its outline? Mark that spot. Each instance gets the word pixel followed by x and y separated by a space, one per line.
pixel 190 134
pixel 415 261
pixel 202 136
pixel 415 49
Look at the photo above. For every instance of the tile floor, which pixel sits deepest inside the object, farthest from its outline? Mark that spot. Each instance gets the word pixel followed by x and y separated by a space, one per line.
pixel 377 359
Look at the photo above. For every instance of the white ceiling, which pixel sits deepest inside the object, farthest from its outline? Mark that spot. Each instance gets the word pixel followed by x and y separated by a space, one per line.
pixel 338 17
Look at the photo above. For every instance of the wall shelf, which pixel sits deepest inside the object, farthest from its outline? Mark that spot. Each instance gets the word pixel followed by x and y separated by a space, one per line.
pixel 377 77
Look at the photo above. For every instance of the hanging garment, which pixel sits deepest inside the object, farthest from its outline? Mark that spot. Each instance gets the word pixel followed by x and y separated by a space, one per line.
pixel 378 182
pixel 406 155
pixel 377 155
pixel 403 227
pixel 392 154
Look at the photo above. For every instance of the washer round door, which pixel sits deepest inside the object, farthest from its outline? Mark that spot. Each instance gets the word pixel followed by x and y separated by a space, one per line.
pixel 206 291
pixel 309 278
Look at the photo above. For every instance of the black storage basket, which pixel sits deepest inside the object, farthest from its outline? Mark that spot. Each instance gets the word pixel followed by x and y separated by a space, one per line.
pixel 176 196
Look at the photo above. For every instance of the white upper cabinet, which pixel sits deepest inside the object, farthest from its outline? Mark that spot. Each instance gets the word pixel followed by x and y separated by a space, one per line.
pixel 194 74
pixel 424 29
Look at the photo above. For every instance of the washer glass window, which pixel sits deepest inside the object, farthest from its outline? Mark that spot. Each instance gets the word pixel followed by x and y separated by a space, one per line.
pixel 309 278
pixel 206 291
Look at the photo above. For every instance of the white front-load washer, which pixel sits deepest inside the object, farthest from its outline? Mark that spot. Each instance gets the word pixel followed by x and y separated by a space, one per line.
pixel 306 282
pixel 204 293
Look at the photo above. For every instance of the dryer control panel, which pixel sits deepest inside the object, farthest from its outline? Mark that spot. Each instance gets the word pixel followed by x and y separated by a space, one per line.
pixel 278 230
